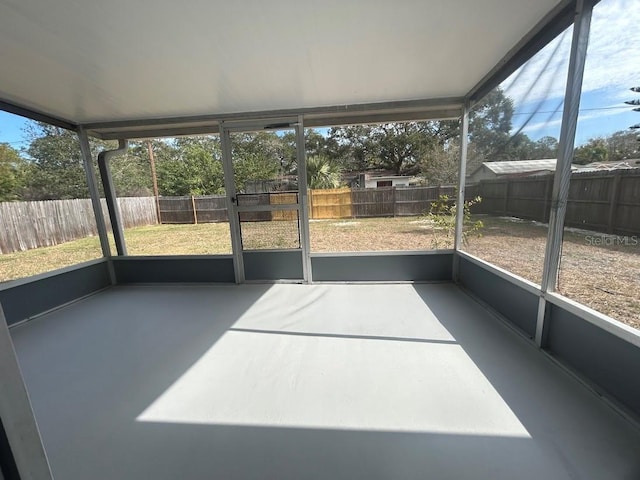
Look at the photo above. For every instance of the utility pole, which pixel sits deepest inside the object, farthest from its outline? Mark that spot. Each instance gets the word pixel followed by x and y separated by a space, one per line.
pixel 152 160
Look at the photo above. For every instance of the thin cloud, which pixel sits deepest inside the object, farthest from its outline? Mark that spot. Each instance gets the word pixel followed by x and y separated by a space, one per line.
pixel 556 122
pixel 612 63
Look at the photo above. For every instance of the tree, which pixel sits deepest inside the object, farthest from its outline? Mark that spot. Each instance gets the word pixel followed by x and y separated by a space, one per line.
pixel 545 147
pixel 256 156
pixel 490 123
pixel 131 172
pixel 390 146
pixel 55 166
pixel 190 166
pixel 442 215
pixel 409 147
pixel 323 173
pixel 595 150
pixel 12 167
pixel 351 147
pixel 491 139
pixel 440 166
pixel 55 169
pixel 623 145
pixel 314 143
pixel 400 146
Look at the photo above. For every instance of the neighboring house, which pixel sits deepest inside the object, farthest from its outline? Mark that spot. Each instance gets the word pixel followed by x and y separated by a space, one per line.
pixel 387 181
pixel 379 180
pixel 514 168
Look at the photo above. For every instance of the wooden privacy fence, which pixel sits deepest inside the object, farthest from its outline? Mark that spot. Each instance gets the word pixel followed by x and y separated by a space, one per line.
pixel 523 197
pixel 375 202
pixel 203 209
pixel 323 204
pixel 26 225
pixel 606 202
pixel 213 208
pixel 330 203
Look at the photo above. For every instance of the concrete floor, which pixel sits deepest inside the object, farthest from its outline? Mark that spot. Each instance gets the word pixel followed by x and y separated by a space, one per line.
pixel 308 382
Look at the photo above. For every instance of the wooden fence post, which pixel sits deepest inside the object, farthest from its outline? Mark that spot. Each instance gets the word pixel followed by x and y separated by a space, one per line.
pixel 505 206
pixel 193 206
pixel 393 199
pixel 613 202
pixel 547 199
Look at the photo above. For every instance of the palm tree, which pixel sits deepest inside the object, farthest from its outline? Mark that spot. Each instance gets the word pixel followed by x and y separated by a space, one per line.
pixel 323 173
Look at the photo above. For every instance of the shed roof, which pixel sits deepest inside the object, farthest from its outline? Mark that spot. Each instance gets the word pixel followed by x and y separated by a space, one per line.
pixel 120 64
pixel 520 166
pixel 608 166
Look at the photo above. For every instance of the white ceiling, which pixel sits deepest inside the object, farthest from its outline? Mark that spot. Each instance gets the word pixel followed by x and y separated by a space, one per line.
pixel 92 61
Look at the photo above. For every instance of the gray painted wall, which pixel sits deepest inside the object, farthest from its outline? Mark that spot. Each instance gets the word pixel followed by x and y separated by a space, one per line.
pixel 272 265
pixel 179 269
pixel 516 304
pixel 375 267
pixel 25 298
pixel 609 363
pixel 603 358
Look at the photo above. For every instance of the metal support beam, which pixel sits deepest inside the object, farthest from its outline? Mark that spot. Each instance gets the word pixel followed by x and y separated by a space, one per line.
pixel 110 194
pixel 305 243
pixel 462 173
pixel 230 189
pixel 37 115
pixel 404 110
pixel 562 176
pixel 548 28
pixel 94 194
pixel 17 415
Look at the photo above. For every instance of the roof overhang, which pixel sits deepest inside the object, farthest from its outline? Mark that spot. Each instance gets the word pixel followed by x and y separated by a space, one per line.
pixel 446 108
pixel 142 68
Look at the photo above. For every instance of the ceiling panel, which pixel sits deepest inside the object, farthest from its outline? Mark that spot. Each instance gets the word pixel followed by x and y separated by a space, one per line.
pixel 88 61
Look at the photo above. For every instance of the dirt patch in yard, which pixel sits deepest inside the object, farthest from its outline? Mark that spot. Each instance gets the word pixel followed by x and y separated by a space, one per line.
pixel 375 234
pixel 599 271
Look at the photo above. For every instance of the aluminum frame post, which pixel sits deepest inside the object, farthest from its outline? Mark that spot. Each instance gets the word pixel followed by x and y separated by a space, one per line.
pixel 562 175
pixel 303 203
pixel 462 173
pixel 230 190
pixel 110 194
pixel 17 415
pixel 92 183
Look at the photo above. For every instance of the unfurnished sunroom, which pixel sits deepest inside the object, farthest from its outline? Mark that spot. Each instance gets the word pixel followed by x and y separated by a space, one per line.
pixel 290 360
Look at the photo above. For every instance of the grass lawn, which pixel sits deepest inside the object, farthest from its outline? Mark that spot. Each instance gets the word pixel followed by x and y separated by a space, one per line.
pixel 604 277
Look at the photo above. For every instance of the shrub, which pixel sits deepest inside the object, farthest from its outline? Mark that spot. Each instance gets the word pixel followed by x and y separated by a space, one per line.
pixel 442 215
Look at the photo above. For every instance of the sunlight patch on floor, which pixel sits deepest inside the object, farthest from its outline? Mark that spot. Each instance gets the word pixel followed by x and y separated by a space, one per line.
pixel 271 379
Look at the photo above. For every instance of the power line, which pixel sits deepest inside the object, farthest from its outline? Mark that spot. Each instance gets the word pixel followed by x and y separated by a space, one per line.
pixel 14 142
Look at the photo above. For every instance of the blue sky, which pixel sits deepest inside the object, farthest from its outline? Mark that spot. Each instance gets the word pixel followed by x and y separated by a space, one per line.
pixel 612 68
pixel 537 88
pixel 11 130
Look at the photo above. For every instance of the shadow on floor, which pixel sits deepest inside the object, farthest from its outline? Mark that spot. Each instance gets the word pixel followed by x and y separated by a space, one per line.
pixel 115 353
pixel 561 415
